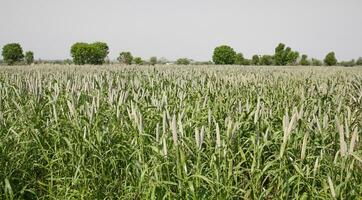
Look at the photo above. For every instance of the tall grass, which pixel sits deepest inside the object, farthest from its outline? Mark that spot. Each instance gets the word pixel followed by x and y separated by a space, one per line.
pixel 206 132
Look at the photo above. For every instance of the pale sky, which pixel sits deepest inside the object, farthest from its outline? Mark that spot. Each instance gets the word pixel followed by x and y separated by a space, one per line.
pixel 184 28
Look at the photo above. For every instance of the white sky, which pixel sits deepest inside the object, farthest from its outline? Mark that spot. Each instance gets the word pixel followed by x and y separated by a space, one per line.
pixel 187 28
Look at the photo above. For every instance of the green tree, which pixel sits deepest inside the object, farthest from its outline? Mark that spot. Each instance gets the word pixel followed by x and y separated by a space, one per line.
pixel 224 55
pixel 29 57
pixel 255 60
pixel 284 56
pixel 350 63
pixel 239 59
pixel 125 58
pixel 12 53
pixel 330 59
pixel 138 61
pixel 182 61
pixel 359 61
pixel 153 60
pixel 266 60
pixel 83 53
pixel 304 60
pixel 316 62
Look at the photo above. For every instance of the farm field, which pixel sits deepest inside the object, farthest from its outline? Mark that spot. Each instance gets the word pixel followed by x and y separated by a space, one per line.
pixel 180 132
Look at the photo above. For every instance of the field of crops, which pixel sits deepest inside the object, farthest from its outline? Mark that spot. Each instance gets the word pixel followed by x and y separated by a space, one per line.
pixel 180 132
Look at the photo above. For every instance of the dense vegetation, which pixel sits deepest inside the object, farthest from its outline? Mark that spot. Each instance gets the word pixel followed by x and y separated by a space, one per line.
pixel 180 133
pixel 84 53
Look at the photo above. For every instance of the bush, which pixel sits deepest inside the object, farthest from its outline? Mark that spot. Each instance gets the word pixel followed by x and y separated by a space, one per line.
pixel 316 62
pixel 125 58
pixel 138 61
pixel 350 63
pixel 330 59
pixel 83 53
pixel 12 53
pixel 182 61
pixel 304 61
pixel 239 59
pixel 224 55
pixel 153 60
pixel 266 60
pixel 285 56
pixel 255 60
pixel 359 61
pixel 29 57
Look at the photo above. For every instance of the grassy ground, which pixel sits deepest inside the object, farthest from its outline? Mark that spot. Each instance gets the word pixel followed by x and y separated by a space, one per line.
pixel 177 132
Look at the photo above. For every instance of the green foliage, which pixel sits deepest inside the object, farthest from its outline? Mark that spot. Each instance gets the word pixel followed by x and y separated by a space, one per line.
pixel 29 57
pixel 255 60
pixel 12 53
pixel 304 61
pixel 359 61
pixel 125 58
pixel 239 59
pixel 153 60
pixel 84 53
pixel 183 61
pixel 350 63
pixel 285 56
pixel 138 61
pixel 224 55
pixel 316 62
pixel 266 60
pixel 330 59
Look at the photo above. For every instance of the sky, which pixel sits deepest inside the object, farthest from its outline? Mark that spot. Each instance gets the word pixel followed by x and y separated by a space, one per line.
pixel 187 28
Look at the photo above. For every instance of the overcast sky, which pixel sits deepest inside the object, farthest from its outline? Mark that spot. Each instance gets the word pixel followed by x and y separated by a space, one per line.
pixel 184 28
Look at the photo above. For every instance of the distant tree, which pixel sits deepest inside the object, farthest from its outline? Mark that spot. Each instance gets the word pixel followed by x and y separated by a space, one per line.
pixel 304 60
pixel 12 53
pixel 247 62
pixel 29 57
pixel 83 53
pixel 316 62
pixel 266 60
pixel 138 61
pixel 330 59
pixel 239 59
pixel 125 58
pixel 359 61
pixel 224 55
pixel 284 56
pixel 153 60
pixel 182 61
pixel 350 63
pixel 162 61
pixel 255 60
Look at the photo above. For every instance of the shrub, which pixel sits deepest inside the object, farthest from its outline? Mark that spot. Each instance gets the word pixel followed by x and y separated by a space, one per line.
pixel 125 58
pixel 153 60
pixel 304 61
pixel 29 57
pixel 83 53
pixel 12 53
pixel 359 61
pixel 316 62
pixel 182 61
pixel 266 60
pixel 224 55
pixel 330 59
pixel 284 56
pixel 138 61
pixel 350 63
pixel 239 59
pixel 255 60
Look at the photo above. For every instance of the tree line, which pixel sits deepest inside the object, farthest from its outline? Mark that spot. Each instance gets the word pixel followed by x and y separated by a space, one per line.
pixel 97 54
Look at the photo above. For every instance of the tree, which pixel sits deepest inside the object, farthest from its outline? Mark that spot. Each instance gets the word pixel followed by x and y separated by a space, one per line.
pixel 153 60
pixel 83 53
pixel 304 60
pixel 350 63
pixel 224 55
pixel 182 61
pixel 29 57
pixel 284 56
pixel 239 59
pixel 316 62
pixel 12 53
pixel 138 61
pixel 359 61
pixel 266 60
pixel 255 60
pixel 330 59
pixel 125 58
